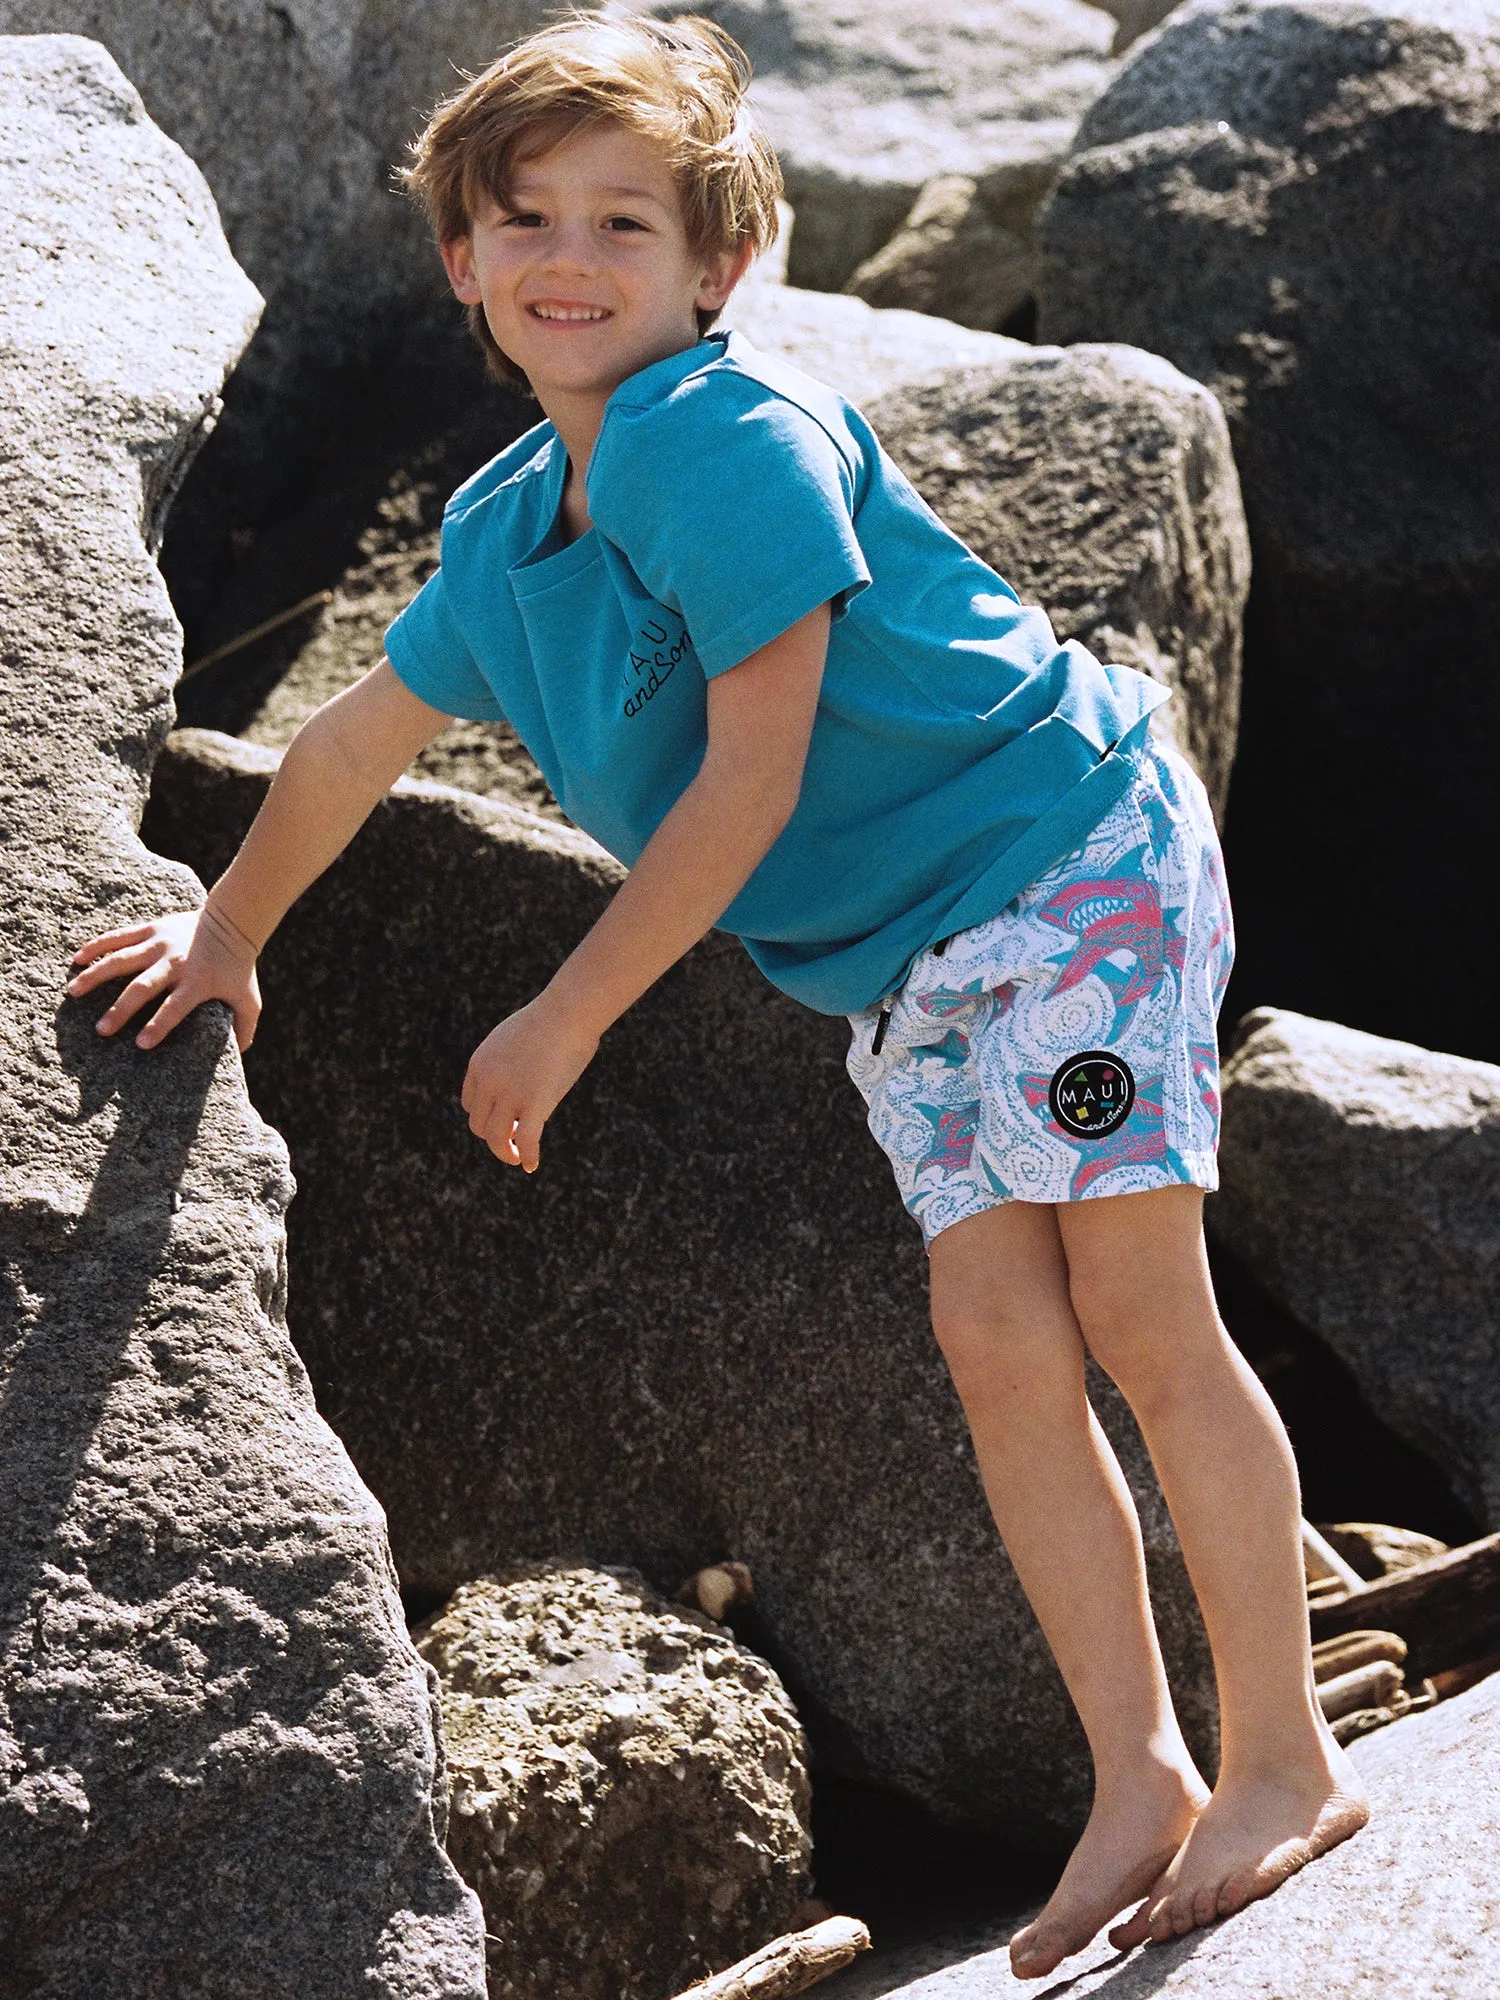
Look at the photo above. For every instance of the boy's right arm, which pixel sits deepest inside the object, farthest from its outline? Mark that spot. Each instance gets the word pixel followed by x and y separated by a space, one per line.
pixel 340 765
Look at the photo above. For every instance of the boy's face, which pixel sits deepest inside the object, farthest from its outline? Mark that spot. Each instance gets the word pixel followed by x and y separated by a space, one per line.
pixel 589 277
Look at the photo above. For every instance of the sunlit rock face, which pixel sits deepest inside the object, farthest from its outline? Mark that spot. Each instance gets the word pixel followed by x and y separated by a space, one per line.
pixel 208 1701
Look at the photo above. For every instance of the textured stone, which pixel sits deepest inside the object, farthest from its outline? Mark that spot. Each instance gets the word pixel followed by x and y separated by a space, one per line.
pixel 630 1792
pixel 1295 203
pixel 867 104
pixel 218 1761
pixel 1100 483
pixel 1407 1910
pixel 1361 1184
pixel 968 249
pixel 698 1332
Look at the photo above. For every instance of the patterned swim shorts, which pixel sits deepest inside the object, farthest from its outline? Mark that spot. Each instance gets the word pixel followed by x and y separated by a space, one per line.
pixel 1065 1048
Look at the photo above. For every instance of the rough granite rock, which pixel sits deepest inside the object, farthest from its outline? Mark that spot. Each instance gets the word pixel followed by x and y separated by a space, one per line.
pixel 630 1793
pixel 968 249
pixel 1294 201
pixel 867 104
pixel 1361 1184
pixel 219 1767
pixel 699 1331
pixel 1100 483
pixel 1407 1910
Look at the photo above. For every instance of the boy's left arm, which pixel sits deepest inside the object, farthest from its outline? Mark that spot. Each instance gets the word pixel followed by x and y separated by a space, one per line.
pixel 760 717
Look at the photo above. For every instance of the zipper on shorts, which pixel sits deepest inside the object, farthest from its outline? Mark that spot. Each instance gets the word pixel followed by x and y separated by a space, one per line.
pixel 877 1040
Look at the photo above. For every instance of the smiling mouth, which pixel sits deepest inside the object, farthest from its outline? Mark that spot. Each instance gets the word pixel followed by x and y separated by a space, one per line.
pixel 569 315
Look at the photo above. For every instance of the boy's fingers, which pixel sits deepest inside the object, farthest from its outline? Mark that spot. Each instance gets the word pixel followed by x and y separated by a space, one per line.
pixel 107 941
pixel 145 986
pixel 528 1143
pixel 115 966
pixel 165 1019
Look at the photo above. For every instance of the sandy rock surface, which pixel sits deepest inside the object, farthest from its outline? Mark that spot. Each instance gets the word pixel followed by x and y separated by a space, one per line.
pixel 1100 483
pixel 699 1332
pixel 1407 1910
pixel 208 1700
pixel 1361 1183
pixel 866 104
pixel 630 1793
pixel 1295 203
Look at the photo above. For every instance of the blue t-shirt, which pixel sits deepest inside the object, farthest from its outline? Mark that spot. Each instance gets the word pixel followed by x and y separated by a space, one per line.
pixel 958 750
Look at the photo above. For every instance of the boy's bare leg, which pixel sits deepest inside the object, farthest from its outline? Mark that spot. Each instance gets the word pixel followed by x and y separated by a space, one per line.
pixel 1004 1319
pixel 1286 1792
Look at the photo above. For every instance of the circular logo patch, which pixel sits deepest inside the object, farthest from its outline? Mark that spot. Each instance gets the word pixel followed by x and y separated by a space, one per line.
pixel 1091 1095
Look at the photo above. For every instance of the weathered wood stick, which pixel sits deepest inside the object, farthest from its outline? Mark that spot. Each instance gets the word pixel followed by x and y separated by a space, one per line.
pixel 788 1964
pixel 1333 1657
pixel 1371 1686
pixel 1447 1610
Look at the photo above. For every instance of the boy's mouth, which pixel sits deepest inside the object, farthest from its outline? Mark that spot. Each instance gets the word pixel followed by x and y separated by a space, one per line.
pixel 567 315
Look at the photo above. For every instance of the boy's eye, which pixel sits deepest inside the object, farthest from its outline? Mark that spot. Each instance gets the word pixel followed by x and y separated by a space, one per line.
pixel 624 222
pixel 524 219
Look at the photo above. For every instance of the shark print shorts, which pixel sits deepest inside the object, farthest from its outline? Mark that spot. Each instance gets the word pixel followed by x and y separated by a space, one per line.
pixel 1067 1047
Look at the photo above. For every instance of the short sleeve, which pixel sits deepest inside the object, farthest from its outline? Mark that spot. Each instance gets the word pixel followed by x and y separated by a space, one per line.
pixel 734 507
pixel 429 652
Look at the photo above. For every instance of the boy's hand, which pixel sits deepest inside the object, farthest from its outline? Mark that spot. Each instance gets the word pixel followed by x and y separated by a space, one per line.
pixel 183 960
pixel 518 1076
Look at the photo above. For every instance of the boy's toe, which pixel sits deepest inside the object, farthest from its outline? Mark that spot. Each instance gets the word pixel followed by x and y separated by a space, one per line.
pixel 1207 1903
pixel 1136 1927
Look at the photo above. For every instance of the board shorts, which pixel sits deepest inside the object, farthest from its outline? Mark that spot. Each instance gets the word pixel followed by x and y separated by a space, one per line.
pixel 1066 1048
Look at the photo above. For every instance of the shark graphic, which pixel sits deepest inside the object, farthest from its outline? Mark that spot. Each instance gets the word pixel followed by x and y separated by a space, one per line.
pixel 1110 914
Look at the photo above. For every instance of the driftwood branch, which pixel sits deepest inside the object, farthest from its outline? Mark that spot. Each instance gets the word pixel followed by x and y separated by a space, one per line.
pixel 1447 1610
pixel 788 1964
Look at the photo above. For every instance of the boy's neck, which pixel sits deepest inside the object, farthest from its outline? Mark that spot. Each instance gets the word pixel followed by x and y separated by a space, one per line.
pixel 576 416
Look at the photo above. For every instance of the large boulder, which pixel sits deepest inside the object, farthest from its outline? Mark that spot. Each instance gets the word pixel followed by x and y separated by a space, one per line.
pixel 1100 483
pixel 219 1767
pixel 867 104
pixel 630 1794
pixel 1361 1184
pixel 1294 201
pixel 1407 1910
pixel 699 1331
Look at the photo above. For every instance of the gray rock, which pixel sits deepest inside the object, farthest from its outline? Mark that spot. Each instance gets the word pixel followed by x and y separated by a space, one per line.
pixel 1361 1185
pixel 867 104
pixel 1409 1909
pixel 967 251
pixel 208 1700
pixel 1100 483
pixel 630 1794
pixel 1295 203
pixel 698 1332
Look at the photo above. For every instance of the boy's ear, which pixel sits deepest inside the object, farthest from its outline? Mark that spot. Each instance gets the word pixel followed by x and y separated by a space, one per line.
pixel 458 262
pixel 721 274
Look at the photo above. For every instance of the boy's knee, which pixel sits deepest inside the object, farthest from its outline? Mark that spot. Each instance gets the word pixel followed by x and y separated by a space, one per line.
pixel 1122 1327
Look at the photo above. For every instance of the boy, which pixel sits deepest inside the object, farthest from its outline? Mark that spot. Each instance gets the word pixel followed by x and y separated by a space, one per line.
pixel 754 665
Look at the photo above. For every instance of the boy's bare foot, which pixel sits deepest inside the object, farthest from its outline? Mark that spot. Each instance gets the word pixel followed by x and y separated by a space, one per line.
pixel 1253 1835
pixel 1132 1834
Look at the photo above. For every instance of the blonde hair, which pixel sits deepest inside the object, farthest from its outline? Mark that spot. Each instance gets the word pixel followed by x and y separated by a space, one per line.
pixel 679 83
